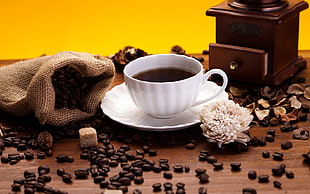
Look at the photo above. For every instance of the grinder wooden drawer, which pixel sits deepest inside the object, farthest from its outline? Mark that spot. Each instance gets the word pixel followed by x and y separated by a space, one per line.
pixel 240 63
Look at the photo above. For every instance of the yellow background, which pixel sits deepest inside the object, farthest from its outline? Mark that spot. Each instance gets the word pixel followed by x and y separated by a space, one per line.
pixel 30 28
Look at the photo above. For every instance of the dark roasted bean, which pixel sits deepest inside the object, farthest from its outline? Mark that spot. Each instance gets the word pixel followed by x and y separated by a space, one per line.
pixel 180 185
pixel 152 152
pixel 138 180
pixel 200 171
pixel 5 159
pixel 41 155
pixel 180 191
pixel 211 159
pixel 277 184
pixel 266 154
pixel 81 173
pixel 137 191
pixel 61 158
pixel 167 186
pixel 252 174
pixel 98 179
pixel 156 187
pixel 156 168
pixel 29 155
pixel 286 145
pixel 66 177
pixel 202 190
pixel 124 181
pixel 277 156
pixel 271 131
pixel 60 171
pixel 248 190
pixel 186 168
pixel 270 138
pixel 16 187
pixel 204 178
pixel 235 166
pixel 167 175
pixel 178 168
pixel 218 165
pixel 190 146
pixel 263 178
pixel 104 184
pixel 289 174
pixel 202 157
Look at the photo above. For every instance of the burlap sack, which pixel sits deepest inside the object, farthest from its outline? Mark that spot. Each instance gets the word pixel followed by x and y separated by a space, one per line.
pixel 26 86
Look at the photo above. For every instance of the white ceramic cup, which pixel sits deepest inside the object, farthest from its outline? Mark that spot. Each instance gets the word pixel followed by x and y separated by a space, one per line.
pixel 167 99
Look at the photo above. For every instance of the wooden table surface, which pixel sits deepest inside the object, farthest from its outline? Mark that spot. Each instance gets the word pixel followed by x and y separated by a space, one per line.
pixel 171 146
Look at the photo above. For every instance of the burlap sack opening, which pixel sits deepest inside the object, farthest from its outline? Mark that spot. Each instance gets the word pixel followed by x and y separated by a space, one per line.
pixel 26 86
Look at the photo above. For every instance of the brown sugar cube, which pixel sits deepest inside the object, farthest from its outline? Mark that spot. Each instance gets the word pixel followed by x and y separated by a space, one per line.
pixel 88 137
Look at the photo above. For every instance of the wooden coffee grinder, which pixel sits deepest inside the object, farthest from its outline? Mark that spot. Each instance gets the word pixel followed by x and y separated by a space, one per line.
pixel 257 40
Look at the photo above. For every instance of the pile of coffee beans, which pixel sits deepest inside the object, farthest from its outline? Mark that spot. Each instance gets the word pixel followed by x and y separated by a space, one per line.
pixel 71 88
pixel 33 183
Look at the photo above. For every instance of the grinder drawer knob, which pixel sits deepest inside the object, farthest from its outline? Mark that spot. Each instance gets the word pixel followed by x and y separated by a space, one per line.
pixel 233 65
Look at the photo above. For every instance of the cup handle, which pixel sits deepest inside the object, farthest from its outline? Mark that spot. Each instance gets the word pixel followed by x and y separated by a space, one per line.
pixel 205 78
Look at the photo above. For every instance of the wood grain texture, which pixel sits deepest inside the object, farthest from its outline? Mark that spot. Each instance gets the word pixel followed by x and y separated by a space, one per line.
pixel 222 181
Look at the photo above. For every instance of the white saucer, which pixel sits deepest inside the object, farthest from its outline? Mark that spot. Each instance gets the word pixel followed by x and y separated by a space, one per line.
pixel 118 105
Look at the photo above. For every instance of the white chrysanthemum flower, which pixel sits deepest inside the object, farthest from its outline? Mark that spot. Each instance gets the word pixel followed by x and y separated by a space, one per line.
pixel 224 122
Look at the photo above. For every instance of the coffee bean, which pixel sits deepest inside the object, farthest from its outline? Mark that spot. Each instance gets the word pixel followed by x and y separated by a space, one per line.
pixel 167 186
pixel 202 190
pixel 41 155
pixel 81 173
pixel 277 156
pixel 104 184
pixel 252 174
pixel 218 165
pixel 190 146
pixel 180 185
pixel 156 168
pixel 200 171
pixel 167 175
pixel 180 191
pixel 277 184
pixel 266 154
pixel 98 179
pixel 66 177
pixel 286 127
pixel 138 180
pixel 290 174
pixel 29 155
pixel 263 178
pixel 186 168
pixel 137 191
pixel 21 147
pixel 271 131
pixel 5 159
pixel 211 159
pixel 270 138
pixel 235 166
pixel 204 178
pixel 248 190
pixel 169 192
pixel 29 190
pixel 152 152
pixel 202 157
pixel 124 181
pixel 156 187
pixel 178 168
pixel 286 145
pixel 16 187
pixel 277 171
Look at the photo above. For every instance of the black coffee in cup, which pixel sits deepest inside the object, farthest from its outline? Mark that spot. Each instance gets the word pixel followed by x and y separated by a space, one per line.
pixel 164 75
